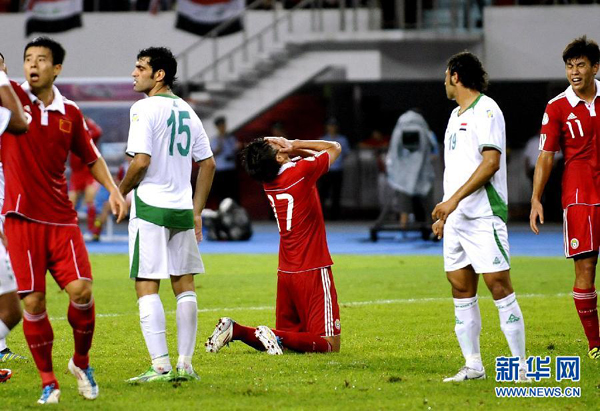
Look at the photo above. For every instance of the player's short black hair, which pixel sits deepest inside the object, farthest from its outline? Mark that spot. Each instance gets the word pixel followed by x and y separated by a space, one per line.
pixel 57 50
pixel 161 58
pixel 259 159
pixel 582 47
pixel 469 69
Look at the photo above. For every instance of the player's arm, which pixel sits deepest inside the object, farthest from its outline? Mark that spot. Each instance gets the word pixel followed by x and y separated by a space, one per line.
pixel 484 172
pixel 18 122
pixel 543 168
pixel 203 185
pixel 100 171
pixel 332 147
pixel 135 173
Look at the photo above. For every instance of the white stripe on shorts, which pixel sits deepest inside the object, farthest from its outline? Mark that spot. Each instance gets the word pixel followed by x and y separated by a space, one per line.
pixel 327 301
pixel 75 260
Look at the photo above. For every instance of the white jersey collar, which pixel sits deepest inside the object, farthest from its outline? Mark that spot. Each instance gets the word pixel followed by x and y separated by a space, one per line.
pixel 287 165
pixel 57 104
pixel 574 99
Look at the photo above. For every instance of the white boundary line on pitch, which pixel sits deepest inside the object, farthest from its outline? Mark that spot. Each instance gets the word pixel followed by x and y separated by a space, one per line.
pixel 346 304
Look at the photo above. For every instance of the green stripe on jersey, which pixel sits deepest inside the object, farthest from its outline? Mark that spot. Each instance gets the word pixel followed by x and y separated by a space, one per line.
pixel 135 263
pixel 499 207
pixel 165 217
pixel 173 96
pixel 502 250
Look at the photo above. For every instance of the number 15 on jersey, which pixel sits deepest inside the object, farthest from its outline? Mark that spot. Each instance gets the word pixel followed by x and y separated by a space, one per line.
pixel 289 211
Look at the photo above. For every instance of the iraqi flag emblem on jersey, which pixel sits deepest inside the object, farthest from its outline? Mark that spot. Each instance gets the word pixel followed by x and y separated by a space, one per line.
pixel 463 127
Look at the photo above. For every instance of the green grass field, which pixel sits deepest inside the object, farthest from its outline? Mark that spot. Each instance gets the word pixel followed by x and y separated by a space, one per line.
pixel 397 341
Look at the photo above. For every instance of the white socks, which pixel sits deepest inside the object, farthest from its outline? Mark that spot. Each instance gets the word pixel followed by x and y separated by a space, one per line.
pixel 467 329
pixel 512 324
pixel 3 333
pixel 187 327
pixel 152 321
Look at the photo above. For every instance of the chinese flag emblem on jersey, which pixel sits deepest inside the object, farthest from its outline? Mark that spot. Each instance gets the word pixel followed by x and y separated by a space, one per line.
pixel 65 126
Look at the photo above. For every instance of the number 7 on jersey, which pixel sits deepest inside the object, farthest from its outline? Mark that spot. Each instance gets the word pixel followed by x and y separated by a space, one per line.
pixel 290 209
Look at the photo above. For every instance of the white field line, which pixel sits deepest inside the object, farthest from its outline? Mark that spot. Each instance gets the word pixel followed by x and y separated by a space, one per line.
pixel 343 304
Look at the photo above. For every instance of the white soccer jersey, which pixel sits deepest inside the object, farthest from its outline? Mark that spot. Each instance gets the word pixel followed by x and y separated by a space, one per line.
pixel 480 126
pixel 166 128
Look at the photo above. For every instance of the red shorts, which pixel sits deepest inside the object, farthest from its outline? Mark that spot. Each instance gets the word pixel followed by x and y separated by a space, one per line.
pixel 307 302
pixel 80 179
pixel 35 248
pixel 581 229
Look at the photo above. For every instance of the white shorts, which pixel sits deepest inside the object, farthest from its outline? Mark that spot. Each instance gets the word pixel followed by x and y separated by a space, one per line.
pixel 157 252
pixel 8 284
pixel 480 242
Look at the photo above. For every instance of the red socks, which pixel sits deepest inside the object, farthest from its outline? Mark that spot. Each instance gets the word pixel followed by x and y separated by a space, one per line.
pixel 82 318
pixel 586 302
pixel 246 335
pixel 303 342
pixel 91 217
pixel 39 336
pixel 296 341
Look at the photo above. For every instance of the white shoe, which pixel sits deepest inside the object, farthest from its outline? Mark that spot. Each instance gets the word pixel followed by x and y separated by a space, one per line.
pixel 221 336
pixel 523 378
pixel 268 338
pixel 466 373
pixel 85 381
pixel 50 395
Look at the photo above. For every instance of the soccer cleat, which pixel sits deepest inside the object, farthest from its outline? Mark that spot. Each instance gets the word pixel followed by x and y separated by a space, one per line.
pixel 594 353
pixel 5 374
pixel 221 336
pixel 268 338
pixel 523 378
pixel 50 395
pixel 7 355
pixel 183 374
pixel 466 373
pixel 85 381
pixel 152 376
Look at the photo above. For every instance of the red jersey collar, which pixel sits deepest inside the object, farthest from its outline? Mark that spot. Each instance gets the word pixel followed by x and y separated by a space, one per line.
pixel 574 98
pixel 57 104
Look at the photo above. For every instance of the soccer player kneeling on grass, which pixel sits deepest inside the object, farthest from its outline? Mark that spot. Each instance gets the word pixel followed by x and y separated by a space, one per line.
pixel 472 216
pixel 307 312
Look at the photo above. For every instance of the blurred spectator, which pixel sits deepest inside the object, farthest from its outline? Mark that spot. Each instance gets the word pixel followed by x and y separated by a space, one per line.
pixel 82 183
pixel 224 147
pixel 551 199
pixel 330 184
pixel 409 164
pixel 379 144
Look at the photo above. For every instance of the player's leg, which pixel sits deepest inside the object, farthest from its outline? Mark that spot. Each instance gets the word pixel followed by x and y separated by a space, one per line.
pixel 29 263
pixel 187 323
pixel 10 307
pixel 89 196
pixel 70 266
pixel 313 297
pixel 586 300
pixel 463 281
pixel 148 265
pixel 582 240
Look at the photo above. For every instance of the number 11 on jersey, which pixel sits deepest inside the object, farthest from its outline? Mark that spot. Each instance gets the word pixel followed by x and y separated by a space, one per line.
pixel 289 211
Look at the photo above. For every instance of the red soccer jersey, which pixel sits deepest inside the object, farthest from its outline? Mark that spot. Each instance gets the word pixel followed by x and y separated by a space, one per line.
pixel 294 198
pixel 34 162
pixel 573 126
pixel 75 162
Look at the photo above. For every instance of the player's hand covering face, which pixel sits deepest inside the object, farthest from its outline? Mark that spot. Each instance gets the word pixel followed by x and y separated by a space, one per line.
pixel 280 144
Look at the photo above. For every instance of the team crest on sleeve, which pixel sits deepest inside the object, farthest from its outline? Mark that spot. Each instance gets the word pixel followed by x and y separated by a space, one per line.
pixel 65 126
pixel 545 119
pixel 490 114
pixel 135 118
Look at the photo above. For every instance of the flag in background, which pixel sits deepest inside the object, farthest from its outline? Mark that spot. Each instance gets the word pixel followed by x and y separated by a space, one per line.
pixel 201 16
pixel 52 16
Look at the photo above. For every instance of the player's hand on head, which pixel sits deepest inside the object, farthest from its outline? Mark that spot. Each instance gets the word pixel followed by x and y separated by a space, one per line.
pixel 198 228
pixel 537 212
pixel 284 144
